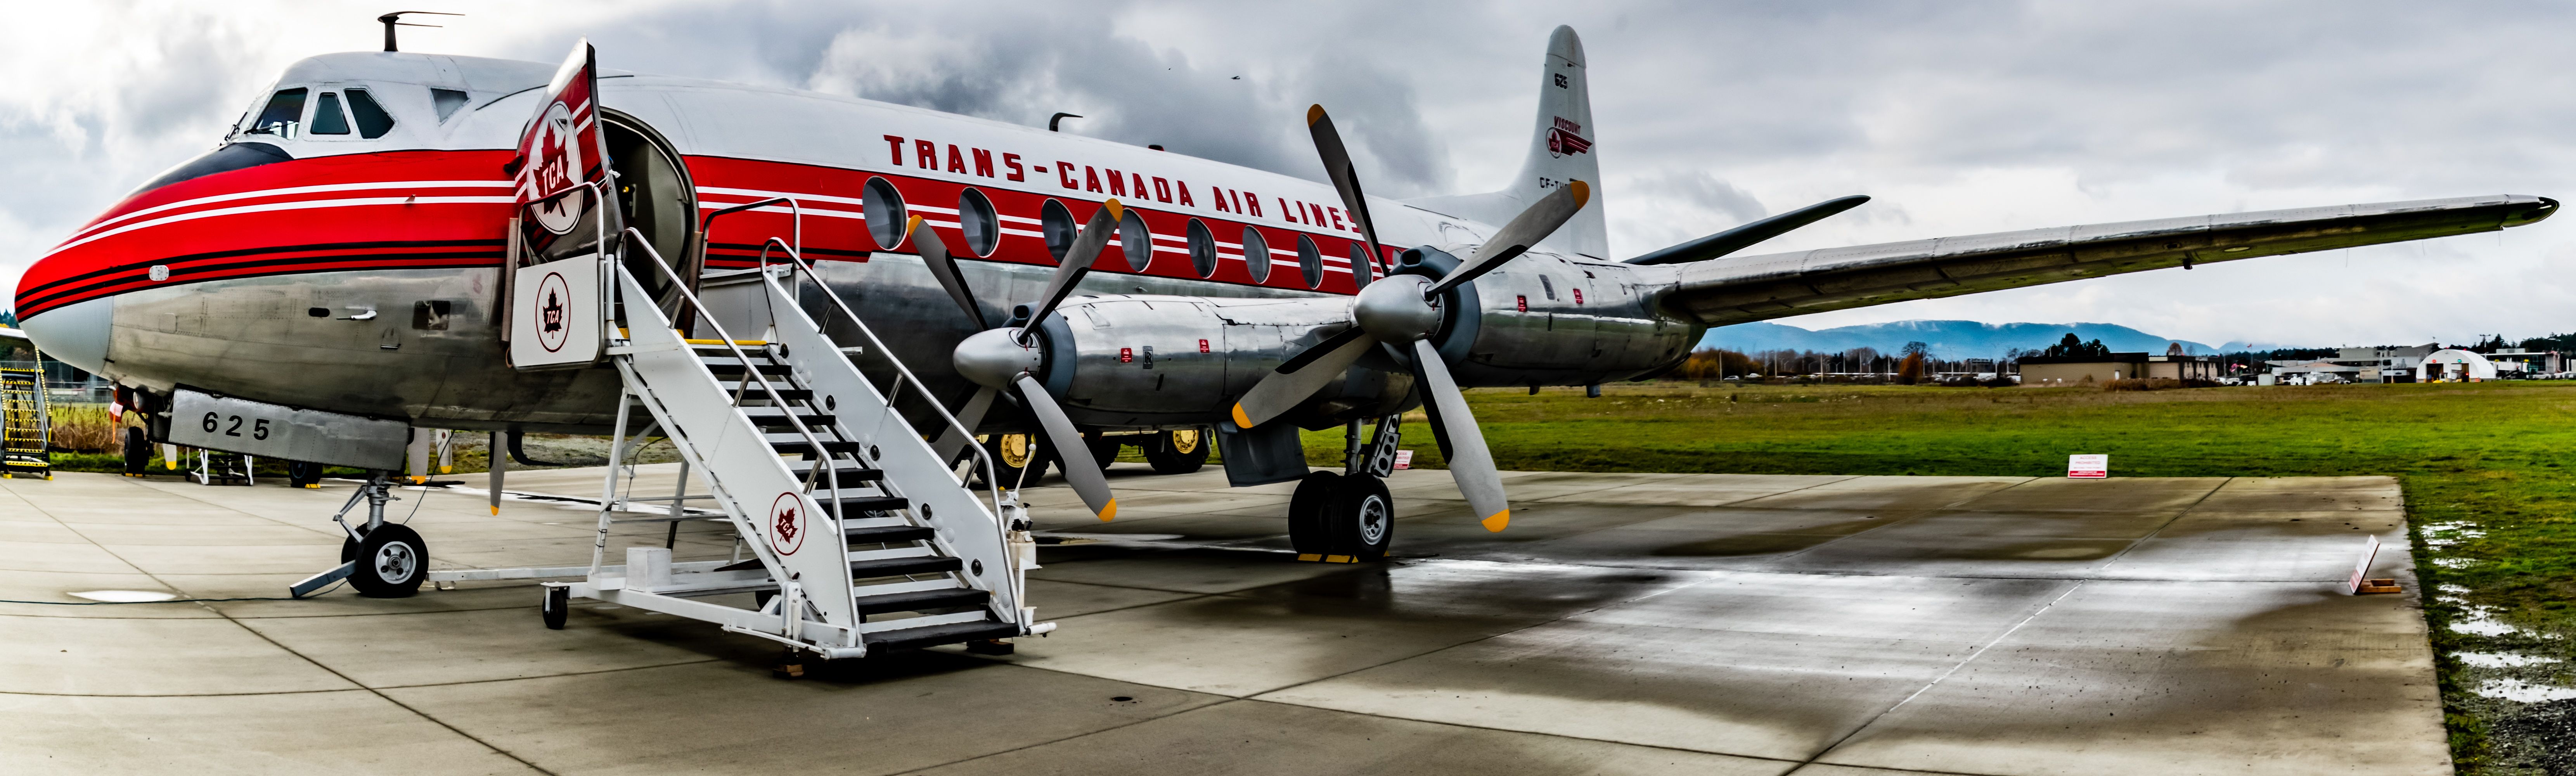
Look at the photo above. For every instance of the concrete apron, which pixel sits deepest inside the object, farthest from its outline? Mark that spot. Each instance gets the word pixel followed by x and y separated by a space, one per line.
pixel 1625 623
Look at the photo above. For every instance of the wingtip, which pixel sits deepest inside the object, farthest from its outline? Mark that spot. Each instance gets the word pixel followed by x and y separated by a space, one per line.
pixel 1314 113
pixel 1109 511
pixel 1497 521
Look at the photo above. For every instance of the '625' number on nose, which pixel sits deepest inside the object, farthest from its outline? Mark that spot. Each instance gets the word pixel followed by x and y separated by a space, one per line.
pixel 231 425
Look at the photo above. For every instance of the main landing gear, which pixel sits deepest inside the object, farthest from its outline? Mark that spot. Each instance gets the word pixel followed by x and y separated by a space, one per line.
pixel 1347 516
pixel 380 559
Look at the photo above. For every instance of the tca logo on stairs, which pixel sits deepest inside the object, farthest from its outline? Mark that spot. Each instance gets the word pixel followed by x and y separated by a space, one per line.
pixel 787 524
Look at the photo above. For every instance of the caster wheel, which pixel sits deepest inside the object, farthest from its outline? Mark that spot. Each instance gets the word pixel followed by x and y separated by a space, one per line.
pixel 392 561
pixel 1361 518
pixel 1179 451
pixel 1307 530
pixel 558 605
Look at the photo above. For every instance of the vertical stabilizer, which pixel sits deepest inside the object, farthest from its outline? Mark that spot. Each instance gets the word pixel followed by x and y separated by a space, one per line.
pixel 1561 149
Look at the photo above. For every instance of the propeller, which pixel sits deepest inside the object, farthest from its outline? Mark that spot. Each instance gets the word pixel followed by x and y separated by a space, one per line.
pixel 1005 358
pixel 1404 310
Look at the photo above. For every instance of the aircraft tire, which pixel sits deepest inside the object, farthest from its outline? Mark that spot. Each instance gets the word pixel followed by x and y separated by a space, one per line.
pixel 1034 458
pixel 392 561
pixel 138 452
pixel 1360 517
pixel 1104 450
pixel 1178 451
pixel 557 607
pixel 1307 531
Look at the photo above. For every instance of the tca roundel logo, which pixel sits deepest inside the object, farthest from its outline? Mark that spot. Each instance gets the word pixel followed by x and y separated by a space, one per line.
pixel 786 521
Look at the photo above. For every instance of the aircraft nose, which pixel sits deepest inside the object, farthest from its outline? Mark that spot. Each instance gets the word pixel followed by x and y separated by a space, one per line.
pixel 75 334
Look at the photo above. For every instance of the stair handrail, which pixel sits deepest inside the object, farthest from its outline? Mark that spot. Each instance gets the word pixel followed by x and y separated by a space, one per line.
pixel 796 260
pixel 750 372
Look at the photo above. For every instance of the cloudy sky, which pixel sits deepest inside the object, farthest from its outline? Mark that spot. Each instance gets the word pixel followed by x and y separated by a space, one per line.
pixel 1959 117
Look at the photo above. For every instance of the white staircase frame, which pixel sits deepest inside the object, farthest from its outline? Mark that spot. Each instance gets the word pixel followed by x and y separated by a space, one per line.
pixel 816 609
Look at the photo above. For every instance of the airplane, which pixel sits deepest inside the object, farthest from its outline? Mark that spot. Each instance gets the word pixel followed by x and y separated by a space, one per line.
pixel 367 252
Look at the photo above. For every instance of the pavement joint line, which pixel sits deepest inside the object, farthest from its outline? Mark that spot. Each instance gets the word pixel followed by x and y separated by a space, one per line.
pixel 2160 527
pixel 354 684
pixel 1936 681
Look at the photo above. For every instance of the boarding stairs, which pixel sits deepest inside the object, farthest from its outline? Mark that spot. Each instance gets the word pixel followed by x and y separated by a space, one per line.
pixel 861 538
pixel 26 423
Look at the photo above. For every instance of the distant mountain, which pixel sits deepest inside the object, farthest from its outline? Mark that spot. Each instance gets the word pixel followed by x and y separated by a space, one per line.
pixel 1948 339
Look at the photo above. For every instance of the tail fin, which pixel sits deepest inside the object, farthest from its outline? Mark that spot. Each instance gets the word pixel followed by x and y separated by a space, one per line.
pixel 1561 150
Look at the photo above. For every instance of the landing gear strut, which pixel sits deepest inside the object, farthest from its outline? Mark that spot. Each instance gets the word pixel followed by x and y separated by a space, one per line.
pixel 1348 517
pixel 380 559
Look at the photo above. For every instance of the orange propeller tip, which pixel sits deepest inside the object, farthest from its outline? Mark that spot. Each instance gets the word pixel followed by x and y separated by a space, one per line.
pixel 1497 521
pixel 1314 114
pixel 1582 192
pixel 1108 511
pixel 496 511
pixel 1116 211
pixel 1241 420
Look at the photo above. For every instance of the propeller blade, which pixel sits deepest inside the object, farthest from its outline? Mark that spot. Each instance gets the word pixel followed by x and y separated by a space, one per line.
pixel 1079 468
pixel 1077 262
pixel 1346 179
pixel 1745 235
pixel 943 266
pixel 954 442
pixel 1301 376
pixel 1469 462
pixel 1532 225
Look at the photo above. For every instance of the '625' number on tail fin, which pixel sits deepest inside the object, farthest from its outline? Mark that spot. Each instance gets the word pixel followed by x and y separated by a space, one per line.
pixel 231 425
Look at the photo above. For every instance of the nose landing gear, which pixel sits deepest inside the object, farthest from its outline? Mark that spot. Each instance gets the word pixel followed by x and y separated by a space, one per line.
pixel 380 559
pixel 1348 517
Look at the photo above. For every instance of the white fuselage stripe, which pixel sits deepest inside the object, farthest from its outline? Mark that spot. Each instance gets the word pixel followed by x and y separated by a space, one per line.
pixel 290 191
pixel 279 206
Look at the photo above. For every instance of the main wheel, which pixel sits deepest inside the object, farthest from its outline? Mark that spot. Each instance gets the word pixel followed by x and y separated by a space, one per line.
pixel 138 452
pixel 1179 451
pixel 1307 529
pixel 392 560
pixel 1361 518
pixel 303 475
pixel 1013 453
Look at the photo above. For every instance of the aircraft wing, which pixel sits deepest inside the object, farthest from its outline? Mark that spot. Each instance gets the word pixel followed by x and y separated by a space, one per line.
pixel 1752 288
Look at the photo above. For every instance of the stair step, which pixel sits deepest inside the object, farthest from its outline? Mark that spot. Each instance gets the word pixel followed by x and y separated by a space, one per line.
pixel 852 505
pixel 802 447
pixel 891 533
pixel 923 600
pixel 847 473
pixel 779 420
pixel 935 635
pixel 895 567
pixel 754 393
pixel 730 366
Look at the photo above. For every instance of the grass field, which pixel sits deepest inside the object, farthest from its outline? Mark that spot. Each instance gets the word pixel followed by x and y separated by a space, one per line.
pixel 2489 483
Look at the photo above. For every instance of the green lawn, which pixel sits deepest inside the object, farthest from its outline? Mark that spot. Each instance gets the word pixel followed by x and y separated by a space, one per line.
pixel 2489 456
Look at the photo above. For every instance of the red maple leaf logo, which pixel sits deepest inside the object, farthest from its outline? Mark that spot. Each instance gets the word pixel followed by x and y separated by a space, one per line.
pixel 787 525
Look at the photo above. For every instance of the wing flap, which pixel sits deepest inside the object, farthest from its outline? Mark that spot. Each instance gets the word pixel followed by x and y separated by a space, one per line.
pixel 1752 288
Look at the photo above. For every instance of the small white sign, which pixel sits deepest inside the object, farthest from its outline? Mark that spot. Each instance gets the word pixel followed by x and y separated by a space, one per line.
pixel 2369 552
pixel 2088 467
pixel 555 320
pixel 1404 459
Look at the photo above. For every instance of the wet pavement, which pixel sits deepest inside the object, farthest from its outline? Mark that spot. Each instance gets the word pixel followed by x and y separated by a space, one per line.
pixel 1626 623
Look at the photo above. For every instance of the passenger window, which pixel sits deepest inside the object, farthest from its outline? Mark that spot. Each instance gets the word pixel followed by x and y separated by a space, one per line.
pixel 1256 255
pixel 882 206
pixel 284 113
pixel 1362 267
pixel 1056 223
pixel 975 218
pixel 373 121
pixel 327 118
pixel 447 101
pixel 1135 240
pixel 1311 261
pixel 1202 249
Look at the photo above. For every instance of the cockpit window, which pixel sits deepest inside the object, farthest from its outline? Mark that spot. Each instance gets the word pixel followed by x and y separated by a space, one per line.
pixel 284 113
pixel 373 121
pixel 327 119
pixel 447 101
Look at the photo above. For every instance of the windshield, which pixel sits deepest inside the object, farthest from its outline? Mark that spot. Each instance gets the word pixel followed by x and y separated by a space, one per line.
pixel 284 113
